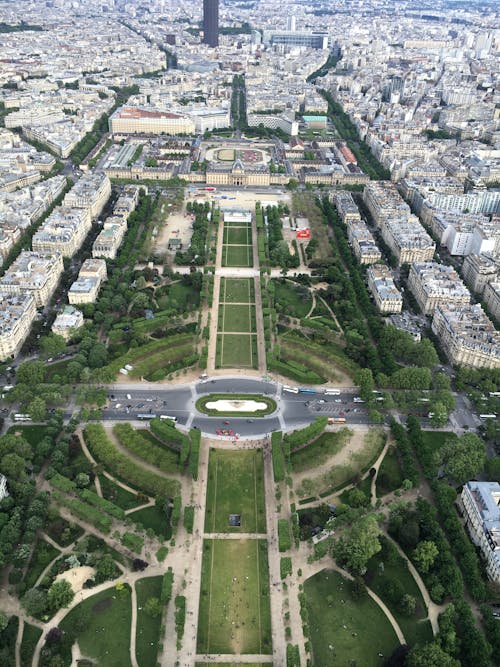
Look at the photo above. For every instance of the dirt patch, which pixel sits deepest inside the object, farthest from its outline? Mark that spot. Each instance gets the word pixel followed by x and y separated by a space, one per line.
pixel 77 576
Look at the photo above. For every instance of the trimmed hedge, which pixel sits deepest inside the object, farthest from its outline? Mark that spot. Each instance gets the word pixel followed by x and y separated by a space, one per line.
pixel 293 372
pixel 105 452
pixel 166 586
pixel 302 436
pixel 279 465
pixel 101 503
pixel 132 542
pixel 284 537
pixel 285 566
pixel 144 449
pixel 180 615
pixel 165 430
pixel 189 518
pixel 87 513
pixel 62 483
pixel 176 511
pixel 194 454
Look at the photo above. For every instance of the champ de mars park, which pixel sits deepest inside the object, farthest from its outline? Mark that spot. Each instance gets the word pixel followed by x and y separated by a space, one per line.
pixel 255 471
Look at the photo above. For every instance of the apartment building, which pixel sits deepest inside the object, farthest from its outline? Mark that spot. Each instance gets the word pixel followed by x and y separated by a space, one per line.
pixel 35 272
pixel 435 284
pixel 491 296
pixel 64 231
pixel 346 206
pixel 384 201
pixel 92 191
pixel 467 336
pixel 387 297
pixel 408 240
pixel 138 120
pixel 362 243
pixel 479 270
pixel 3 487
pixel 17 314
pixel 109 241
pixel 480 503
pixel 86 288
pixel 67 322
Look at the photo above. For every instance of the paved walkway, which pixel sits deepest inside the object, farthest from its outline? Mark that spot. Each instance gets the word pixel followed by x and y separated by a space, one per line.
pixel 235 659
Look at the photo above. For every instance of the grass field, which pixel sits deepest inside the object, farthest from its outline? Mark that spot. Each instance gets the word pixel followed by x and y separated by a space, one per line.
pixel 107 634
pixel 236 351
pixel 389 476
pixel 344 630
pixel 148 628
pixel 42 555
pixel 156 519
pixel 234 614
pixel 31 635
pixel 293 300
pixel 238 318
pixel 237 255
pixel 237 290
pixel 394 569
pixel 235 486
pixel 318 452
pixel 117 495
pixel 237 235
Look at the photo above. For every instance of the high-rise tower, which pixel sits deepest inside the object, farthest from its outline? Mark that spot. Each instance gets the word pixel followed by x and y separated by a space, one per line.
pixel 211 22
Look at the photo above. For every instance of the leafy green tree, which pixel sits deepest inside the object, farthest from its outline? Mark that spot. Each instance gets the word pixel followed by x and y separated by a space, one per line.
pixel 439 415
pixel 35 602
pixel 60 594
pixel 425 554
pixel 364 379
pixel 4 621
pixel 355 547
pixel 442 381
pixel 430 655
pixel 463 458
pixel 37 409
pixel 106 569
pixel 98 355
pixel 408 604
pixel 31 373
pixel 52 345
pixel 153 607
pixel 82 480
pixel 13 467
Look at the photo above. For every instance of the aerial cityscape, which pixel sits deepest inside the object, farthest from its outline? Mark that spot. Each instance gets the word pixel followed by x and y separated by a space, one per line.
pixel 249 333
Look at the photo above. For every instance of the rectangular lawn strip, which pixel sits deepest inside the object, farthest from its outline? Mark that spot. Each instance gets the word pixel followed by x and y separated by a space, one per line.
pixel 235 486
pixel 234 614
pixel 237 235
pixel 237 318
pixel 31 635
pixel 118 495
pixel 389 577
pixel 237 350
pixel 237 255
pixel 155 518
pixel 107 634
pixel 345 630
pixel 148 627
pixel 237 290
pixel 42 555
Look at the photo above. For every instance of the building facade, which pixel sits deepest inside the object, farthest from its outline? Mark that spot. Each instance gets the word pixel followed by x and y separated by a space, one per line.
pixel 480 503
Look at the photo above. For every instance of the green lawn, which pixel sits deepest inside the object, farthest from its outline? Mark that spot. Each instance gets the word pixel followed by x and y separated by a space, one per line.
pixel 389 476
pixel 236 351
pixel 154 517
pixel 345 631
pixel 237 255
pixel 236 318
pixel 43 554
pixel 63 532
pixel 432 442
pixel 234 614
pixel 148 628
pixel 117 495
pixel 107 634
pixel 33 434
pixel 31 635
pixel 236 290
pixel 387 567
pixel 318 452
pixel 237 235
pixel 235 486
pixel 180 297
pixel 293 300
